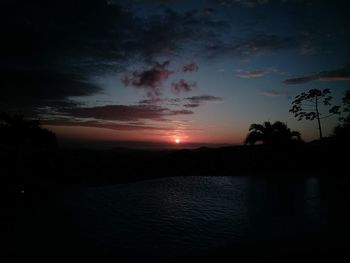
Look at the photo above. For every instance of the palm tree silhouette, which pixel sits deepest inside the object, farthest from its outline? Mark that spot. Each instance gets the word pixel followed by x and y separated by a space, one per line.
pixel 273 134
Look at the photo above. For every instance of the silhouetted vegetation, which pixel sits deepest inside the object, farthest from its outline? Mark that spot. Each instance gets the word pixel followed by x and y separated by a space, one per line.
pixel 18 132
pixel 307 106
pixel 26 149
pixel 276 133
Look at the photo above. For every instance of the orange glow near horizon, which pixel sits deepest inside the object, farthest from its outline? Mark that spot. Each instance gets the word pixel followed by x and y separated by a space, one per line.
pixel 158 136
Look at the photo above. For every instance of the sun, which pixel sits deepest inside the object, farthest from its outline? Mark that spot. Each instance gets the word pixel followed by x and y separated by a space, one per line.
pixel 177 141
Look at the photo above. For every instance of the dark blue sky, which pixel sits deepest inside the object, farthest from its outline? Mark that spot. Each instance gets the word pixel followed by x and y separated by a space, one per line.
pixel 148 70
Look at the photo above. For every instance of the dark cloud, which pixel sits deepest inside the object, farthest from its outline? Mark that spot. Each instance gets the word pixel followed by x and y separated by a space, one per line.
pixel 191 105
pixel 260 44
pixel 183 86
pixel 40 87
pixel 124 112
pixel 331 75
pixel 190 67
pixel 74 40
pixel 151 79
pixel 204 98
pixel 251 3
pixel 300 80
pixel 63 34
pixel 157 2
pixel 245 3
pixel 196 101
pixel 252 74
pixel 102 124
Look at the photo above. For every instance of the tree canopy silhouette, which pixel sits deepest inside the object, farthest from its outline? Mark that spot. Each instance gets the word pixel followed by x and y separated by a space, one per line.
pixel 276 133
pixel 18 132
pixel 306 105
pixel 342 131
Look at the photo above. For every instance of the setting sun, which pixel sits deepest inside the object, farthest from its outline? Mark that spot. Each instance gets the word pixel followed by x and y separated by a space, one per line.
pixel 177 140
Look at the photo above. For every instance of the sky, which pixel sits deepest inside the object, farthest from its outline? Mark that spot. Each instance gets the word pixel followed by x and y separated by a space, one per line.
pixel 165 70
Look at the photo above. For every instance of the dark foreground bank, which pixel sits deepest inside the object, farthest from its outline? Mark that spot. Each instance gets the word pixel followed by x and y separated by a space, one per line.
pixel 38 224
pixel 84 166
pixel 232 219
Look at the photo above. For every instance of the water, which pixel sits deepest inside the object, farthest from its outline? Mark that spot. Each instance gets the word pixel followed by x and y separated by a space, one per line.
pixel 179 216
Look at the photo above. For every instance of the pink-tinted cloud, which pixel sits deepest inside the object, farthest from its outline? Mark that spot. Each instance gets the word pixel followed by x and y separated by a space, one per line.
pixel 253 73
pixel 151 79
pixel 182 86
pixel 124 112
pixel 190 67
pixel 270 93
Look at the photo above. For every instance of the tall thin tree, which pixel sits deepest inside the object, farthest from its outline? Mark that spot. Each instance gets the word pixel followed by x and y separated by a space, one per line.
pixel 307 105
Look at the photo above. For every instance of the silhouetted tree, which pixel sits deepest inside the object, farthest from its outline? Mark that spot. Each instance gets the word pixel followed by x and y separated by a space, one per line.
pixel 16 131
pixel 28 148
pixel 342 131
pixel 307 106
pixel 345 119
pixel 267 133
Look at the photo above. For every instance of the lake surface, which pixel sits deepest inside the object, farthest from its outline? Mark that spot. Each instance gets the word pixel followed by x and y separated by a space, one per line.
pixel 172 217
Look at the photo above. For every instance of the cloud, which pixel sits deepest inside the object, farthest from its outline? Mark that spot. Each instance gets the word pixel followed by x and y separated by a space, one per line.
pixel 270 93
pixel 65 45
pixel 253 73
pixel 151 79
pixel 124 112
pixel 189 102
pixel 42 87
pixel 259 44
pixel 204 98
pixel 191 105
pixel 331 75
pixel 153 101
pixel 190 67
pixel 196 101
pixel 102 124
pixel 300 80
pixel 182 86
pixel 251 3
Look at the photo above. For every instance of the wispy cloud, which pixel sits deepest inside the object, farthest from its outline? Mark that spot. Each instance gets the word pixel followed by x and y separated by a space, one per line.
pixel 103 124
pixel 196 101
pixel 260 44
pixel 189 102
pixel 331 75
pixel 124 112
pixel 252 74
pixel 270 93
pixel 251 3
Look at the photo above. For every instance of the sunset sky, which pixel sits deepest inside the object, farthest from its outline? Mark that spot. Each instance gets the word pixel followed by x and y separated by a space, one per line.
pixel 157 71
